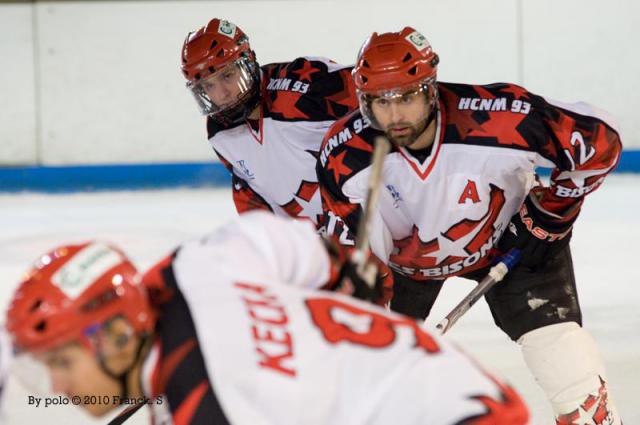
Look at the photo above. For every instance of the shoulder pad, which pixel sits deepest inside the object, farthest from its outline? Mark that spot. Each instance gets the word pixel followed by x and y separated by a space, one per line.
pixel 347 147
pixel 497 115
pixel 312 89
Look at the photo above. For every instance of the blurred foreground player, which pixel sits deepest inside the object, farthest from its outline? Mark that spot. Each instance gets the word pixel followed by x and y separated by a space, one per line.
pixel 265 123
pixel 461 181
pixel 229 329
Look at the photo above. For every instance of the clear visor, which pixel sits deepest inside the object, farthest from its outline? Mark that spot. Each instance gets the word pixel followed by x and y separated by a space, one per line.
pixel 384 98
pixel 225 89
pixel 398 93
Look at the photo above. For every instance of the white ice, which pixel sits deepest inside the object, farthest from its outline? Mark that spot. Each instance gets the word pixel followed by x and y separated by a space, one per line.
pixel 149 224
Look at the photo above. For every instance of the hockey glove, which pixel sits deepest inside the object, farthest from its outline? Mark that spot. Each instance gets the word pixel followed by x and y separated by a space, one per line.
pixel 374 284
pixel 367 286
pixel 537 233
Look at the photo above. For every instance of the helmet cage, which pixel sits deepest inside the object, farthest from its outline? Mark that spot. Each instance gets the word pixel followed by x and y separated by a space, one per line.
pixel 248 82
pixel 365 99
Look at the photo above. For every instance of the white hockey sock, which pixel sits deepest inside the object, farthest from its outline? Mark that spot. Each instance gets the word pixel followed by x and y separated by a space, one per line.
pixel 565 362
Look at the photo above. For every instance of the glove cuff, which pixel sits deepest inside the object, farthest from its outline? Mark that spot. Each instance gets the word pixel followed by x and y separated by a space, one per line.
pixel 547 219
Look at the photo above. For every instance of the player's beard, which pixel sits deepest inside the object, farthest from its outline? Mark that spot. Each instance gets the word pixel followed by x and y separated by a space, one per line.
pixel 406 139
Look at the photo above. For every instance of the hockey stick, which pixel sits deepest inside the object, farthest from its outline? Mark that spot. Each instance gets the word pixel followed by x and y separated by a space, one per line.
pixel 126 414
pixel 359 256
pixel 495 275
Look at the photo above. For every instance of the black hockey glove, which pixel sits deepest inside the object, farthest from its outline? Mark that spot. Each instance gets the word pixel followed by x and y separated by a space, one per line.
pixel 345 277
pixel 366 286
pixel 538 234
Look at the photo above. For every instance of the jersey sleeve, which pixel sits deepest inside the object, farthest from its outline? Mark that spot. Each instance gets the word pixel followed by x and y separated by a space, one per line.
pixel 344 158
pixel 292 251
pixel 244 197
pixel 334 89
pixel 258 246
pixel 580 143
pixel 310 89
pixel 182 376
pixel 340 213
pixel 340 216
pixel 584 146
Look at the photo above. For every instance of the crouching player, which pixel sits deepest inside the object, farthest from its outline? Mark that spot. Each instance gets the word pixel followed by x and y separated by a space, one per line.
pixel 231 329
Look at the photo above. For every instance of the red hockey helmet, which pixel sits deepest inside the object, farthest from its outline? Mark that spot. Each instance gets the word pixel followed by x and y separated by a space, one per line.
pixel 72 291
pixel 219 55
pixel 392 64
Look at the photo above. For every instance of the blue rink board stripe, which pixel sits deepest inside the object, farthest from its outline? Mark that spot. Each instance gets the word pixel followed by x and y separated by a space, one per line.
pixel 629 161
pixel 112 177
pixel 153 176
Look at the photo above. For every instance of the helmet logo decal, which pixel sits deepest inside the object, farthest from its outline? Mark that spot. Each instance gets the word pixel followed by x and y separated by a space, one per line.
pixel 85 268
pixel 227 28
pixel 418 40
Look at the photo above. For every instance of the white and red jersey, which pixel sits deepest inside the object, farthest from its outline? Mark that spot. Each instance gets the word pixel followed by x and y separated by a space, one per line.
pixel 442 216
pixel 273 164
pixel 277 351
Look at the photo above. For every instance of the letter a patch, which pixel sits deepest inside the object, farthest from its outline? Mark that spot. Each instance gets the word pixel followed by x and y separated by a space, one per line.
pixel 469 192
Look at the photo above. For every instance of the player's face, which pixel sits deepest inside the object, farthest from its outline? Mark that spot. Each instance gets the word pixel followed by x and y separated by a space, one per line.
pixel 403 117
pixel 225 86
pixel 75 372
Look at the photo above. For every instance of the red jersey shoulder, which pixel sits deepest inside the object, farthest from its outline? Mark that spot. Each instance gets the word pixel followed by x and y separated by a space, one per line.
pixel 156 281
pixel 499 115
pixel 347 147
pixel 507 115
pixel 309 89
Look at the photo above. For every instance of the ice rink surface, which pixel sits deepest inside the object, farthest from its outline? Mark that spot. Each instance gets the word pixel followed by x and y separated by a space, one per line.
pixel 151 223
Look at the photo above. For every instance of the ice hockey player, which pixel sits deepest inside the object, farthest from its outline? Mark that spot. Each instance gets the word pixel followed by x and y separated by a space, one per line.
pixel 265 123
pixel 230 330
pixel 461 181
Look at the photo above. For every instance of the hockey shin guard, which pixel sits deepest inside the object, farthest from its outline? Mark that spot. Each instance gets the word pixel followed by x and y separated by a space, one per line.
pixel 565 362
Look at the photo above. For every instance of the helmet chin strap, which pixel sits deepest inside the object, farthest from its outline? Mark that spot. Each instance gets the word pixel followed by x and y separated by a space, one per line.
pixel 123 377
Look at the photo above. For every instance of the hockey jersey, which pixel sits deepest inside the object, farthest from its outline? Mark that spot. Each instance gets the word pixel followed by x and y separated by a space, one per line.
pixel 442 217
pixel 276 351
pixel 273 165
